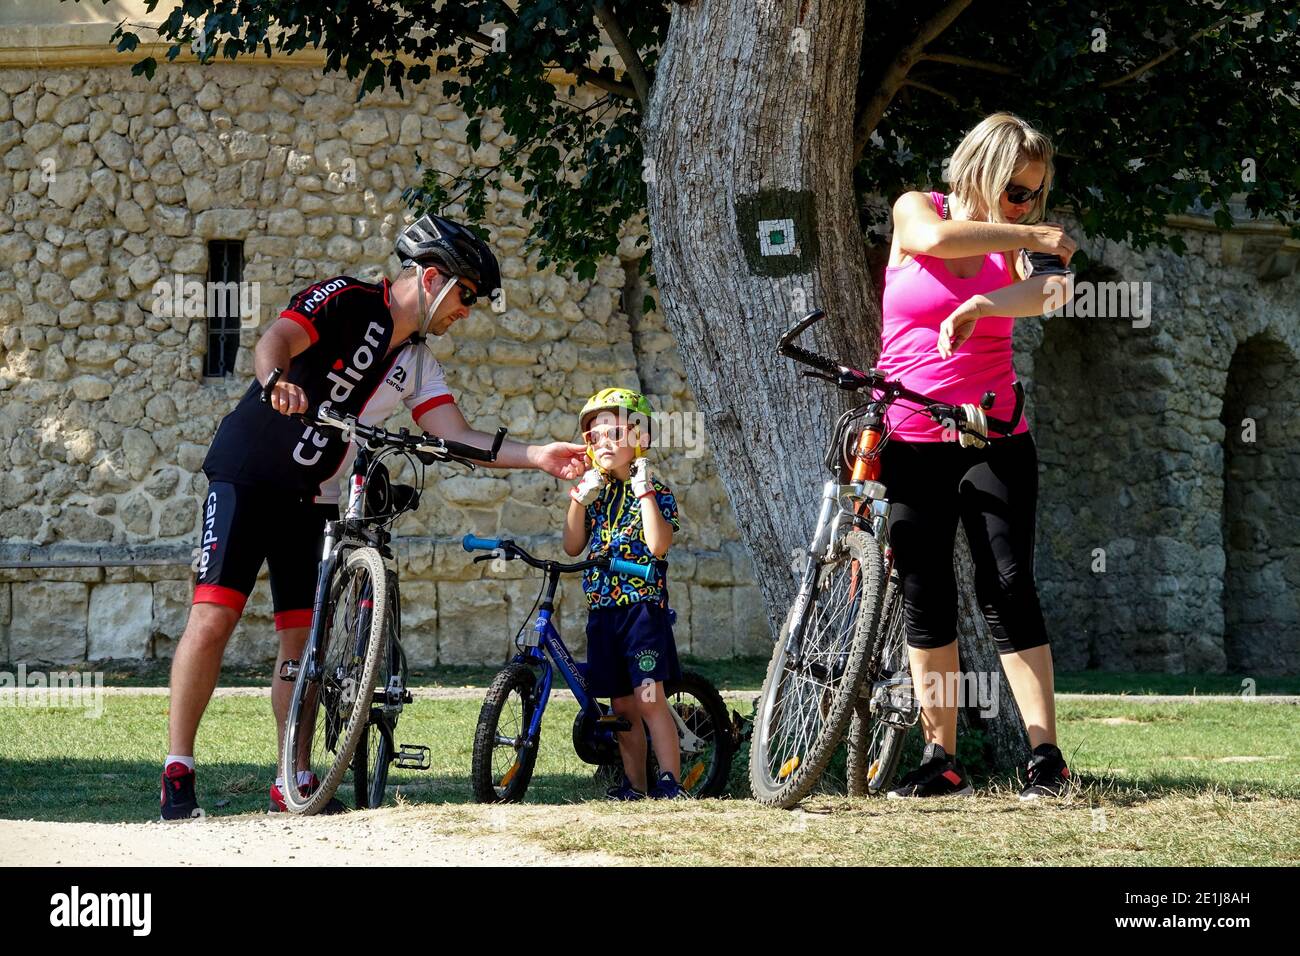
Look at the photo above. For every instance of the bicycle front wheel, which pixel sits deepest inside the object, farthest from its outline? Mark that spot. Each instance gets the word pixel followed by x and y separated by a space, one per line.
pixel 809 693
pixel 504 757
pixel 330 707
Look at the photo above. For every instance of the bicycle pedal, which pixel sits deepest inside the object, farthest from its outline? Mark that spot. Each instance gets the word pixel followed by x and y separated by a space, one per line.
pixel 613 722
pixel 412 757
pixel 289 671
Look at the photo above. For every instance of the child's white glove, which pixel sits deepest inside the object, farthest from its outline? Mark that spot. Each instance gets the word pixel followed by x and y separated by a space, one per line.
pixel 588 487
pixel 641 483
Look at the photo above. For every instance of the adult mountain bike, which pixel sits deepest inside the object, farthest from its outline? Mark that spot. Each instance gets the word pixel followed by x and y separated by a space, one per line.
pixel 840 662
pixel 510 722
pixel 349 686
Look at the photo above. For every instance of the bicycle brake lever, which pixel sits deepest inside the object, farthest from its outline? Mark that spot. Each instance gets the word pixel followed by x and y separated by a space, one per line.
pixel 821 375
pixel 484 557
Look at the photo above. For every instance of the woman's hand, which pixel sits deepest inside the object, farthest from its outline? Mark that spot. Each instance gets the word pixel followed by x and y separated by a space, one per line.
pixel 959 325
pixel 1050 237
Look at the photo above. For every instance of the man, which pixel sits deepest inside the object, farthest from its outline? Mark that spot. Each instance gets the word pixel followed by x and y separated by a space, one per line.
pixel 274 482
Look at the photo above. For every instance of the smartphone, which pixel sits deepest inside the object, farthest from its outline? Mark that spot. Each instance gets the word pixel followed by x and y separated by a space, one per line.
pixel 1045 264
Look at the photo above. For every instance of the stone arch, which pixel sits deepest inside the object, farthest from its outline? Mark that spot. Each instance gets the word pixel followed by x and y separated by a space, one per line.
pixel 1261 521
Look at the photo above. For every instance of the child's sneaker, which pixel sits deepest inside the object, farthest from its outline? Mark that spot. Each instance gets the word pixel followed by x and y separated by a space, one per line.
pixel 938 776
pixel 1048 776
pixel 666 787
pixel 178 800
pixel 624 791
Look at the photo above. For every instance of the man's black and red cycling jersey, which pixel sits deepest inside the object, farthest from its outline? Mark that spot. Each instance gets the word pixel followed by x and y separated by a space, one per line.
pixel 347 367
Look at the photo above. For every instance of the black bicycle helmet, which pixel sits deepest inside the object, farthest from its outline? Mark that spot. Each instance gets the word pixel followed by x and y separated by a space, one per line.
pixel 434 241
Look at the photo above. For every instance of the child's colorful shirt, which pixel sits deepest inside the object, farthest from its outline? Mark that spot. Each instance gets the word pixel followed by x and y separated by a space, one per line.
pixel 616 527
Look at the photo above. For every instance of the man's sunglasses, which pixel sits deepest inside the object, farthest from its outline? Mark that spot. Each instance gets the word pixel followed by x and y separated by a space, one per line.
pixel 467 296
pixel 1019 195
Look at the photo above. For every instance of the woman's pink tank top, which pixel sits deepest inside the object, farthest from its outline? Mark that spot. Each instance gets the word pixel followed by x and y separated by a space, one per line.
pixel 918 297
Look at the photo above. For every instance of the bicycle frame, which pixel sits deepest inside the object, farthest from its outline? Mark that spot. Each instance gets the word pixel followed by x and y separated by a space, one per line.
pixel 544 647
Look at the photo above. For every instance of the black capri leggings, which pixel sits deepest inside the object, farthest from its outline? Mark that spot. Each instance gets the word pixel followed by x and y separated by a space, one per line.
pixel 993 490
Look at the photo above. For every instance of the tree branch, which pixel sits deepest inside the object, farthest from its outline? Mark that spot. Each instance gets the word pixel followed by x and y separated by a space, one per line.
pixel 967 61
pixel 631 59
pixel 584 73
pixel 1156 61
pixel 930 89
pixel 874 108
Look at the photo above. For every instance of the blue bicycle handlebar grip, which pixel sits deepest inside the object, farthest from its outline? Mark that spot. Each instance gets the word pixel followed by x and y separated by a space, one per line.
pixel 472 543
pixel 631 568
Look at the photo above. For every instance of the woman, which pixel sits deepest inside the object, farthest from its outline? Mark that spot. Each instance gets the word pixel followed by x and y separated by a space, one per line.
pixel 953 288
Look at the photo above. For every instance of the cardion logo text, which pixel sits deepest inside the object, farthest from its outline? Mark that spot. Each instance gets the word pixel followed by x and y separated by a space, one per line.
pixel 341 386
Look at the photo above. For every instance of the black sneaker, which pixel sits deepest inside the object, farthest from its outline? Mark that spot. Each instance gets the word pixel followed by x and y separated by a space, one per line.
pixel 625 791
pixel 1048 776
pixel 666 787
pixel 938 776
pixel 178 800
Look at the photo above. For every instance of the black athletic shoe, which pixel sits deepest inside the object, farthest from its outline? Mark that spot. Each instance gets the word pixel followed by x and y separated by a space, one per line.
pixel 938 776
pixel 178 800
pixel 1048 776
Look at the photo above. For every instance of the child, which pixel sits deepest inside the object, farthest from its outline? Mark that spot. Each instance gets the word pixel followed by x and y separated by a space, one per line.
pixel 630 651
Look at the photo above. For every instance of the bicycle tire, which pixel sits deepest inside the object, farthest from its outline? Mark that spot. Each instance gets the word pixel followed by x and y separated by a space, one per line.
pixel 370 766
pixel 869 772
pixel 513 783
pixel 355 719
pixel 797 775
pixel 374 754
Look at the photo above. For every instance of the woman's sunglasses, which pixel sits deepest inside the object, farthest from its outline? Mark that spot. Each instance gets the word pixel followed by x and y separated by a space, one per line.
pixel 1019 195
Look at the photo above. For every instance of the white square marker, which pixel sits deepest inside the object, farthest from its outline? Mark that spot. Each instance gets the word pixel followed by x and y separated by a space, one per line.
pixel 776 237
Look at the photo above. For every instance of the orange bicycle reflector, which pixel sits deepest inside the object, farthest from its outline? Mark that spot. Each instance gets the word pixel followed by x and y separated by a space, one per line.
pixel 692 778
pixel 789 767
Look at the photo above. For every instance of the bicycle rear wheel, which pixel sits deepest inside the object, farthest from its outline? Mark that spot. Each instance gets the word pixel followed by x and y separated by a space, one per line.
pixel 808 696
pixel 374 753
pixel 884 711
pixel 704 732
pixel 330 707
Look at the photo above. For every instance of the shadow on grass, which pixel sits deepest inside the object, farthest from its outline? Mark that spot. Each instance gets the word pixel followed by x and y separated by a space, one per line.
pixel 115 791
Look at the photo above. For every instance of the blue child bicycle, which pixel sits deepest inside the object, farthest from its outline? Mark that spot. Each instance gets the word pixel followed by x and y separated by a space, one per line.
pixel 510 721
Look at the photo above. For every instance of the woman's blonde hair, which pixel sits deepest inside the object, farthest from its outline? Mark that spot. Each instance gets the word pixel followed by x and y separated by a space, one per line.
pixel 989 156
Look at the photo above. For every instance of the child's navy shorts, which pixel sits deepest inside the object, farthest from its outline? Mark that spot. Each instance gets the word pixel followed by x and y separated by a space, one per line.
pixel 627 646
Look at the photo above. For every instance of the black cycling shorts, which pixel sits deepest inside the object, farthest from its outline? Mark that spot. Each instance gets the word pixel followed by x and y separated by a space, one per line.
pixel 242 526
pixel 993 492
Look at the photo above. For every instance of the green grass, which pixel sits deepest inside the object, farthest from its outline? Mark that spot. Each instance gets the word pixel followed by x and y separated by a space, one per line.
pixel 740 673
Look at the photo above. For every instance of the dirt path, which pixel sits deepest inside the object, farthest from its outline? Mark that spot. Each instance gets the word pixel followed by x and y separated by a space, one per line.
pixel 419 836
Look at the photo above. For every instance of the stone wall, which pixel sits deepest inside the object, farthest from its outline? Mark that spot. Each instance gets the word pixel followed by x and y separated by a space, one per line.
pixel 111 184
pixel 1132 426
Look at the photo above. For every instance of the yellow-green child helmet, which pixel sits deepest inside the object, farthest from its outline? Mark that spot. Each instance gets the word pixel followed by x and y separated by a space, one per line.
pixel 633 403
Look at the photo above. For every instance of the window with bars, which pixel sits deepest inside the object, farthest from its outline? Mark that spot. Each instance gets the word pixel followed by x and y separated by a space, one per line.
pixel 225 265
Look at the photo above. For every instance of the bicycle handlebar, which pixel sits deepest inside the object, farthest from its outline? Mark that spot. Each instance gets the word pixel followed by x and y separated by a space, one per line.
pixel 619 566
pixel 428 448
pixel 852 379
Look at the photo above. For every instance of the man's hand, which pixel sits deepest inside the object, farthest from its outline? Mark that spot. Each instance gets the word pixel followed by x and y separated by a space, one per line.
pixel 288 398
pixel 560 459
pixel 959 325
pixel 588 490
pixel 641 483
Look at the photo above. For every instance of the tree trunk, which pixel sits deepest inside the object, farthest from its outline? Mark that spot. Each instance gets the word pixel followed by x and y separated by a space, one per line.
pixel 751 119
pixel 749 128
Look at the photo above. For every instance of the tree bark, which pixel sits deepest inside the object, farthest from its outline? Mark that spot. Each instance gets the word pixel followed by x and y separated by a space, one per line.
pixel 751 119
pixel 744 109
